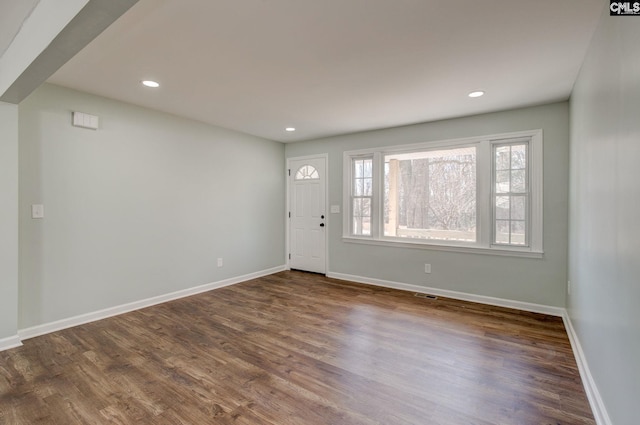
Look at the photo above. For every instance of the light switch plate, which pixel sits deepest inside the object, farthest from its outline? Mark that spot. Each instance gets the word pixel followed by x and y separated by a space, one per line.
pixel 37 211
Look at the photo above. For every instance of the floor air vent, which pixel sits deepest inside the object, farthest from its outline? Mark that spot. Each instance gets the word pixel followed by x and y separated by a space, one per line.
pixel 427 296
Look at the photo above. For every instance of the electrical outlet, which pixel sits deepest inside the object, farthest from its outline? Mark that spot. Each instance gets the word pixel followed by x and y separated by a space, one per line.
pixel 427 268
pixel 220 262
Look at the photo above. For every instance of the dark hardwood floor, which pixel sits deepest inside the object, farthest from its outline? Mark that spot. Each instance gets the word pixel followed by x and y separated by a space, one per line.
pixel 297 348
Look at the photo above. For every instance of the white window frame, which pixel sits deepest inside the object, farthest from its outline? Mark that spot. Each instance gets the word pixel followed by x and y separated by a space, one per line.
pixel 484 189
pixel 352 196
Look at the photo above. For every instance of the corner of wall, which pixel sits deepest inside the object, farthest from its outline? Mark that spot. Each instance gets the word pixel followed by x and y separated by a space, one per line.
pixel 8 223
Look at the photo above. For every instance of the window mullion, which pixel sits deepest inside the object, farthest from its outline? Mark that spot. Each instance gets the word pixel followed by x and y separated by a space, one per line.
pixel 485 194
pixel 347 182
pixel 377 221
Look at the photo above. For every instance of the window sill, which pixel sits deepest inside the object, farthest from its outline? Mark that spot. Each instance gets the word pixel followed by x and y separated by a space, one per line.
pixel 451 248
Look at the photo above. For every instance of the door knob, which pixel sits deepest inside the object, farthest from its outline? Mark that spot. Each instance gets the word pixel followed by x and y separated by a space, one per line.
pixel 321 224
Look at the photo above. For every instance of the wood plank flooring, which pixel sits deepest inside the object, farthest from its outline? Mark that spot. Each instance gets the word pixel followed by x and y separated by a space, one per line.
pixel 301 349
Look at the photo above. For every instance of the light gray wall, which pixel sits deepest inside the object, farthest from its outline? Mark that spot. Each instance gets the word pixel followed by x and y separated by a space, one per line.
pixel 540 281
pixel 605 221
pixel 8 220
pixel 141 207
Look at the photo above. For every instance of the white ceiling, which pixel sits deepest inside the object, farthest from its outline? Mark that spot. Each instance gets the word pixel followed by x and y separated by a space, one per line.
pixel 12 15
pixel 331 67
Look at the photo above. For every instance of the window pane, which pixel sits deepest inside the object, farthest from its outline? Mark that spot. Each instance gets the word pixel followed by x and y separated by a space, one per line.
pixel 357 216
pixel 358 165
pixel 518 157
pixel 518 181
pixel 503 207
pixel 518 208
pixel 357 207
pixel 366 207
pixel 358 189
pixel 367 187
pixel 361 216
pixel 502 158
pixel 503 181
pixel 517 233
pixel 502 231
pixel 366 226
pixel 431 194
pixel 357 225
pixel 362 168
pixel 368 168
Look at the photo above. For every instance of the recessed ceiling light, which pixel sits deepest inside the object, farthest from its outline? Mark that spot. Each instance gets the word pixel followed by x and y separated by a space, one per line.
pixel 290 129
pixel 476 93
pixel 150 83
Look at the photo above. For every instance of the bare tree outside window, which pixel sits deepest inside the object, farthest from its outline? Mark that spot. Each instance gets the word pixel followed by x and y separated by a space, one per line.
pixel 431 194
pixel 362 195
pixel 481 192
pixel 511 194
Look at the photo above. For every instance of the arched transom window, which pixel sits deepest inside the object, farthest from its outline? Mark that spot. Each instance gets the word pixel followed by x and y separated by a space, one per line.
pixel 307 172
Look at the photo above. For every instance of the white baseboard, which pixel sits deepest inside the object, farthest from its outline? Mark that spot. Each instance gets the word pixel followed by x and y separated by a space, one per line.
pixel 482 299
pixel 136 305
pixel 10 342
pixel 595 400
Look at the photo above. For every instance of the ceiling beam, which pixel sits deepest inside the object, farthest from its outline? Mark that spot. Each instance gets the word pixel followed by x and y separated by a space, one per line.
pixel 49 38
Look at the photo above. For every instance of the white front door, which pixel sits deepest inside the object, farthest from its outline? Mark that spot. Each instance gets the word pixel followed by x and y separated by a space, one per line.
pixel 307 209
